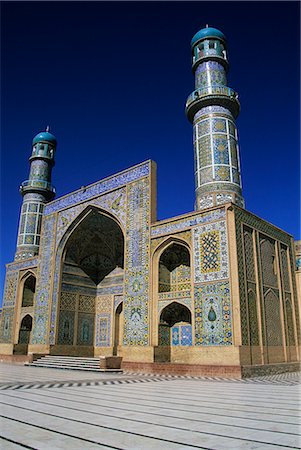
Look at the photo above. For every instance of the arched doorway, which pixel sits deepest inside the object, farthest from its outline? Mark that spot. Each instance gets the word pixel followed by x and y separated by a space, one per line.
pixel 25 330
pixel 93 253
pixel 174 329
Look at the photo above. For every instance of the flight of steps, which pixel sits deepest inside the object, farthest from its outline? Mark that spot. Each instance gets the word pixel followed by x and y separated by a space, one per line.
pixel 70 363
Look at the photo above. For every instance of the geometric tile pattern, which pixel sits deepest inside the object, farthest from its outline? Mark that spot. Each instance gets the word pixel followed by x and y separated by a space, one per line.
pixel 183 301
pixel 103 320
pixel 210 73
pixel 7 321
pixel 10 289
pixel 213 324
pixel 182 224
pixel 99 188
pixel 254 222
pixel 113 202
pixel 137 264
pixel 272 319
pixel 210 252
pixel 44 279
pixel 268 262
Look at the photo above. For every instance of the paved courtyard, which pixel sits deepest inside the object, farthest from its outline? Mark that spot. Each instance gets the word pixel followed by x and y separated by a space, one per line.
pixel 63 409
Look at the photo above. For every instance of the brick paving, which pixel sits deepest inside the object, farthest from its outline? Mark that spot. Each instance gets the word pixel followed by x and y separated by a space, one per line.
pixel 62 409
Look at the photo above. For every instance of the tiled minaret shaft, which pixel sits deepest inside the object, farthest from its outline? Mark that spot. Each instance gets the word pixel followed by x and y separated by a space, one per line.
pixel 36 191
pixel 213 108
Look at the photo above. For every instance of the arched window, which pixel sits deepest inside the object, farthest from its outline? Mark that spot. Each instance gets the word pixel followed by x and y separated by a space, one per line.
pixel 174 269
pixel 29 290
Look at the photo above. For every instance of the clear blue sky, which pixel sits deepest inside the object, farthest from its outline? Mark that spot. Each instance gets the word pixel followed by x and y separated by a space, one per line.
pixel 111 79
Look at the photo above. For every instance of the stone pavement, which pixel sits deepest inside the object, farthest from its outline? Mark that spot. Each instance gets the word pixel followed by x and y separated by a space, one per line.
pixel 62 409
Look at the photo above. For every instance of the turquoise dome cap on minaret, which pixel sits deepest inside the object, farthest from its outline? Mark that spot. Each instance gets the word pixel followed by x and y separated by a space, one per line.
pixel 207 33
pixel 44 136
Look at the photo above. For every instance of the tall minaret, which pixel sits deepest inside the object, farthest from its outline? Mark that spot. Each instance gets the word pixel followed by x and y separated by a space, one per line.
pixel 36 191
pixel 213 108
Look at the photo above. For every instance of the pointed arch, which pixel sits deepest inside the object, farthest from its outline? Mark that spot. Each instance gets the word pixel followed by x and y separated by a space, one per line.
pixel 84 252
pixel 273 325
pixel 25 329
pixel 28 289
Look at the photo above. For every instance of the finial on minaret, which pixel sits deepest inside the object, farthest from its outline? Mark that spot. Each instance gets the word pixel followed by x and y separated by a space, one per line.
pixel 47 128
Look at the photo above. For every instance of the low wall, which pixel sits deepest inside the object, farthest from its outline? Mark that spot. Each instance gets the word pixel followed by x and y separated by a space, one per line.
pixel 269 369
pixel 183 369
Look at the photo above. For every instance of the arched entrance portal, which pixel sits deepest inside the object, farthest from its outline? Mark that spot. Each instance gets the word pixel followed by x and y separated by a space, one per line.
pixel 93 253
pixel 25 330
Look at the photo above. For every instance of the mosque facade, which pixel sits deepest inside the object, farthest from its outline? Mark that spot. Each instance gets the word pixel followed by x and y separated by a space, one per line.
pixel 95 273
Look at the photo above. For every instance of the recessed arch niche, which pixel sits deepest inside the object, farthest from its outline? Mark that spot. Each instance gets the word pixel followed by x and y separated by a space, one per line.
pixel 92 258
pixel 25 330
pixel 175 325
pixel 29 289
pixel 174 268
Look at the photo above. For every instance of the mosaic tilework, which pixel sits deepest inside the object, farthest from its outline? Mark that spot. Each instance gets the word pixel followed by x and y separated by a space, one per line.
pixel 242 216
pixel 272 319
pixel 114 202
pixel 249 255
pixel 7 321
pixel 20 265
pixel 66 327
pixel 137 265
pixel 85 329
pixel 173 295
pixel 182 224
pixel 186 334
pixel 184 235
pixel 103 320
pixel 253 321
pixel 114 290
pixel 213 323
pixel 206 201
pixel 117 300
pixel 285 272
pixel 175 335
pixel 180 278
pixel 29 232
pixel 210 73
pixel 68 301
pixel 99 188
pixel 103 331
pixel 40 323
pixel 164 334
pixel 210 252
pixel 84 290
pixel 183 301
pixel 10 289
pixel 268 262
pixel 290 335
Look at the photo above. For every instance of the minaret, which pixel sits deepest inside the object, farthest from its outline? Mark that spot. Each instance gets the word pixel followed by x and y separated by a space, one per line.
pixel 36 191
pixel 213 108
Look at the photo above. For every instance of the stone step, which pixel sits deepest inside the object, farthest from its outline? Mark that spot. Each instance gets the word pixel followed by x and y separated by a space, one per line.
pixel 69 358
pixel 69 367
pixel 71 362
